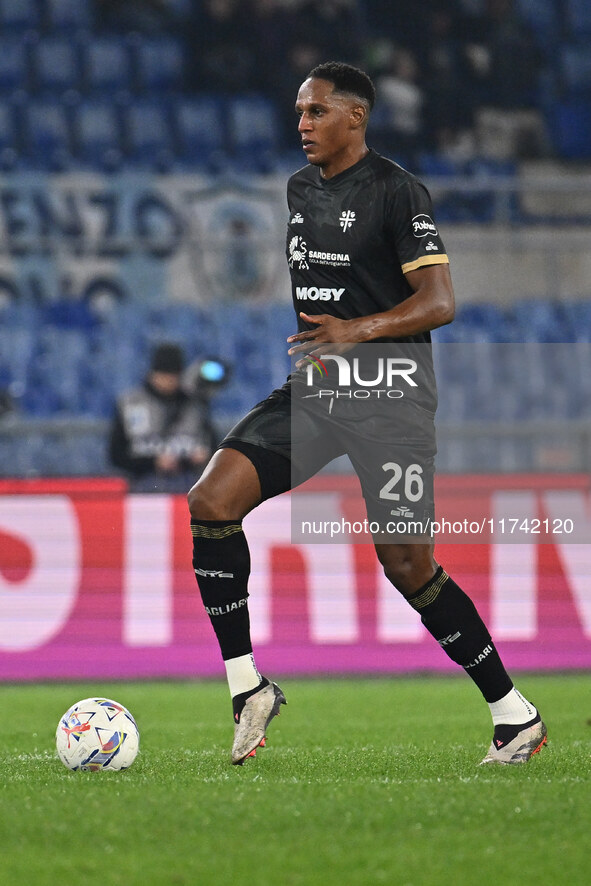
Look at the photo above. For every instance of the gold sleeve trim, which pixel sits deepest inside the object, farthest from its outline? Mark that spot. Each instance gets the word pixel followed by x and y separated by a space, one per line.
pixel 423 261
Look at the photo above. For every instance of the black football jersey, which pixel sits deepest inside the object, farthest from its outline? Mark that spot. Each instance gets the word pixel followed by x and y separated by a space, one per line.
pixel 352 238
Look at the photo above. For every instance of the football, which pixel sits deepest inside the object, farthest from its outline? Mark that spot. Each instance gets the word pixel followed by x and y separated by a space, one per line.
pixel 97 734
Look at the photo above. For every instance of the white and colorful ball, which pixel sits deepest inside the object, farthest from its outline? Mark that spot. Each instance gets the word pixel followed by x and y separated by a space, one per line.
pixel 97 734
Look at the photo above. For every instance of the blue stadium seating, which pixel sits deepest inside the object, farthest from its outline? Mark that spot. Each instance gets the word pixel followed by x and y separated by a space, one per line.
pixel 69 15
pixel 534 381
pixel 115 365
pixel 194 330
pixel 577 315
pixel 16 349
pixel 8 140
pixel 542 18
pixel 181 8
pixel 97 133
pixel 575 63
pixel 486 322
pixel 107 65
pixel 40 50
pixel 570 127
pixel 14 70
pixel 48 135
pixel 56 65
pixel 199 130
pixel 159 64
pixel 53 374
pixel 80 371
pixel 148 136
pixel 252 131
pixel 578 15
pixel 479 205
pixel 19 15
pixel 537 320
pixel 434 164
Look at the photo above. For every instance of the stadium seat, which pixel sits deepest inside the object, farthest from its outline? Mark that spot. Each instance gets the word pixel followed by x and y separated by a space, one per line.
pixel 56 65
pixel 148 137
pixel 117 364
pixel 159 64
pixel 180 8
pixel 69 15
pixel 281 322
pixel 252 131
pixel 578 16
pixel 8 143
pixel 487 321
pixel 578 316
pixel 14 71
pixel 541 17
pixel 48 138
pixel 197 331
pixel 199 130
pixel 432 163
pixel 107 65
pixel 570 127
pixel 16 349
pixel 57 367
pixel 539 320
pixel 234 400
pixel 455 205
pixel 97 133
pixel 19 15
pixel 575 64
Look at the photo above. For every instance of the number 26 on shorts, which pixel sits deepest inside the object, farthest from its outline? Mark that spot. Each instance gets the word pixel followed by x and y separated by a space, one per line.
pixel 413 482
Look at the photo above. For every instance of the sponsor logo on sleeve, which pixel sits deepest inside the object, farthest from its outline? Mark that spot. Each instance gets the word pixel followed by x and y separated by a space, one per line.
pixel 423 226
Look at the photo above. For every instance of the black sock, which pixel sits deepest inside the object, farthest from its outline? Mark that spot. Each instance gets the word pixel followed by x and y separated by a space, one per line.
pixel 221 561
pixel 451 617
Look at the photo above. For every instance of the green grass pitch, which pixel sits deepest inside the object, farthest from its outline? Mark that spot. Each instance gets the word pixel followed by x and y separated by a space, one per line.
pixel 363 782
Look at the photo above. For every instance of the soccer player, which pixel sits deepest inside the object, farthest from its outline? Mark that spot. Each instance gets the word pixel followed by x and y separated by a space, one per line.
pixel 361 229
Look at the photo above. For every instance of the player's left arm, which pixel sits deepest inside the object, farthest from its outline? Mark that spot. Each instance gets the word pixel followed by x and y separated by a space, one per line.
pixel 431 304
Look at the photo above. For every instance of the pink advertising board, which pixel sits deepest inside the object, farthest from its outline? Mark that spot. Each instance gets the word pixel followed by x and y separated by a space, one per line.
pixel 96 583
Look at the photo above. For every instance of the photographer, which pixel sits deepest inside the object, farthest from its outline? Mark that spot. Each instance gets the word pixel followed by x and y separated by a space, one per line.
pixel 162 431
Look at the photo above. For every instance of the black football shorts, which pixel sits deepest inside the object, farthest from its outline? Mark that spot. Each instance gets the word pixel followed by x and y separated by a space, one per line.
pixel 392 450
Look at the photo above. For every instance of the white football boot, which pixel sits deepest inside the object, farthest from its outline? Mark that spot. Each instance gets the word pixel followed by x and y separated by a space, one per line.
pixel 251 726
pixel 529 741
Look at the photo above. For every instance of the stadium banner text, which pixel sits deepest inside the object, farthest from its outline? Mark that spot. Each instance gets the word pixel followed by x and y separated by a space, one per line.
pixel 97 584
pixel 87 235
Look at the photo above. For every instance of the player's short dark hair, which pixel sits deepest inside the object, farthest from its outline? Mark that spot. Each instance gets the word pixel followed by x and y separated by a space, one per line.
pixel 347 79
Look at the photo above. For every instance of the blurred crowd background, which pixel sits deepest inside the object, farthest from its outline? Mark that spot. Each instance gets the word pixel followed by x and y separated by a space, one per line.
pixel 458 79
pixel 144 149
